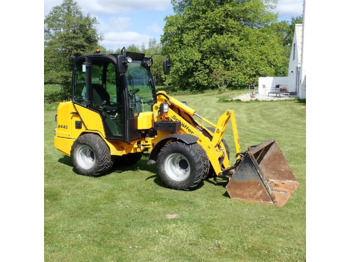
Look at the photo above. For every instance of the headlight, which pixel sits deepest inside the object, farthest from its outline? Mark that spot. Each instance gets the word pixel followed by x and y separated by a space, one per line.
pixel 164 108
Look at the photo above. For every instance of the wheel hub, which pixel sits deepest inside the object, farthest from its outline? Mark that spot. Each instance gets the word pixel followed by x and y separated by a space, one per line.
pixel 177 167
pixel 85 157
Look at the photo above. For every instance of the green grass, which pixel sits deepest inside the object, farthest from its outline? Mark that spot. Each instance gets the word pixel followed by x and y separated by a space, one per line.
pixel 122 216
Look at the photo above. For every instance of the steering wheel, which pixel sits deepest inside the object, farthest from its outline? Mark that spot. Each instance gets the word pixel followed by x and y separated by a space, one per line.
pixel 133 92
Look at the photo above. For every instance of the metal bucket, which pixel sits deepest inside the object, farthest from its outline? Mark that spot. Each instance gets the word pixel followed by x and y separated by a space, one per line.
pixel 262 175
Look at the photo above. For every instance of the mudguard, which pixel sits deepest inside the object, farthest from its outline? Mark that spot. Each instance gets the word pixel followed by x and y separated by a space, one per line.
pixel 186 138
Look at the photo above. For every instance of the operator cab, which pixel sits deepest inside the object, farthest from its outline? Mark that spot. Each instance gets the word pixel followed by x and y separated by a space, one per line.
pixel 118 87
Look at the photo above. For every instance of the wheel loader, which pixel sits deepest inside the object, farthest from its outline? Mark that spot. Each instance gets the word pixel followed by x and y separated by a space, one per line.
pixel 116 115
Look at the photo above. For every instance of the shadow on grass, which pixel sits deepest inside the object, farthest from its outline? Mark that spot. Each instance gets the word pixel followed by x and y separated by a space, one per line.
pixel 159 182
pixel 142 165
pixel 221 182
pixel 217 181
pixel 139 166
pixel 66 161
pixel 156 180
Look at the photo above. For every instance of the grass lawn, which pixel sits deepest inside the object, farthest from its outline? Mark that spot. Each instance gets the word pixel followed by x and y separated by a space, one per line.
pixel 122 216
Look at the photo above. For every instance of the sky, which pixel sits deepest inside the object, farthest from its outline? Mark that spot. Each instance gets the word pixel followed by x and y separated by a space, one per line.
pixel 126 22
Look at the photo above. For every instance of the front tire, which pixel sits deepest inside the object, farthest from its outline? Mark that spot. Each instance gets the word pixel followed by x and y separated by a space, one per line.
pixel 181 166
pixel 91 156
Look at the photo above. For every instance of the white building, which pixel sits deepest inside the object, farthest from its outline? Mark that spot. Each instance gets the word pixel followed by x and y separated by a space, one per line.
pixel 302 85
pixel 295 83
pixel 295 59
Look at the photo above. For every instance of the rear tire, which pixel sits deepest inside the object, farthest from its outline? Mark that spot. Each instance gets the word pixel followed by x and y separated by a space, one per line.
pixel 91 156
pixel 181 166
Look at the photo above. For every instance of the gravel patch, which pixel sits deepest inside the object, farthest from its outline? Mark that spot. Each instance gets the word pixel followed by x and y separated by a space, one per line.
pixel 249 97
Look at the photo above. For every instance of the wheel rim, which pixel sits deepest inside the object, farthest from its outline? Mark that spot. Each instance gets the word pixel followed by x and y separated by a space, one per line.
pixel 177 167
pixel 85 157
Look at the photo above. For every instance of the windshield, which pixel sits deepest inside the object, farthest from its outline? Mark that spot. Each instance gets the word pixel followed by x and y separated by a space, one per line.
pixel 140 88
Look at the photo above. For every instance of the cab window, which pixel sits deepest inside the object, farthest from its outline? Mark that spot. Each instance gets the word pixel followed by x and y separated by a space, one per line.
pixel 79 93
pixel 139 88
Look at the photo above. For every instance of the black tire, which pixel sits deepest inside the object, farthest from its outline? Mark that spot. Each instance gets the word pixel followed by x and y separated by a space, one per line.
pixel 126 160
pixel 181 166
pixel 91 156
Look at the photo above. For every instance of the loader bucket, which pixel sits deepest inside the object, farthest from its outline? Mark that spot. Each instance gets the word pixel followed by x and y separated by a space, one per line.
pixel 263 176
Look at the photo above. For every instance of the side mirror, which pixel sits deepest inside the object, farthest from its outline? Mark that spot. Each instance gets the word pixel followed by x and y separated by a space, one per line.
pixel 122 64
pixel 166 66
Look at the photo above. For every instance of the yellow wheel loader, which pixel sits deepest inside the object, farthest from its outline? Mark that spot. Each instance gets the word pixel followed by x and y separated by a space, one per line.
pixel 116 115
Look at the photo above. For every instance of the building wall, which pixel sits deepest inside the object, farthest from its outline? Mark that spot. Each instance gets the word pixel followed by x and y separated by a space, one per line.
pixel 302 93
pixel 270 82
pixel 295 61
pixel 296 80
pixel 302 89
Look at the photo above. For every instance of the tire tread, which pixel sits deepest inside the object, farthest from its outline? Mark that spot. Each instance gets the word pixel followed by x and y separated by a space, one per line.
pixel 199 159
pixel 104 160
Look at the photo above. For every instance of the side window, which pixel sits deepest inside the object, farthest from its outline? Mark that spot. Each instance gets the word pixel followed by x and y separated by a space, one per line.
pixel 107 97
pixel 294 51
pixel 139 88
pixel 96 74
pixel 100 96
pixel 111 82
pixel 79 95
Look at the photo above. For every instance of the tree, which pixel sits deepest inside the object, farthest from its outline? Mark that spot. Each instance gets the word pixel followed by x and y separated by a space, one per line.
pixel 213 40
pixel 67 32
pixel 285 32
pixel 133 48
pixel 288 40
pixel 157 67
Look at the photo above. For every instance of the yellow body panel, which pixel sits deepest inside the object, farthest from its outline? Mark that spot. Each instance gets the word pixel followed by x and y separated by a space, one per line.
pixel 66 131
pixel 64 128
pixel 185 126
pixel 92 120
pixel 145 121
pixel 119 148
pixel 63 144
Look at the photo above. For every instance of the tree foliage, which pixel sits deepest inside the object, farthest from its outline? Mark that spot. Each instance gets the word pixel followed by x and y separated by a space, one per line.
pixel 67 32
pixel 157 67
pixel 222 40
pixel 285 32
pixel 213 44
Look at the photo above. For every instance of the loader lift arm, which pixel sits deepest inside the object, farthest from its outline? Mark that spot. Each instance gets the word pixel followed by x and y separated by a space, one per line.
pixel 261 174
pixel 213 146
pixel 220 128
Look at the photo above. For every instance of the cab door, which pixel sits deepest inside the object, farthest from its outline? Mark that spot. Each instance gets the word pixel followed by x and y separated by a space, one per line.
pixel 97 87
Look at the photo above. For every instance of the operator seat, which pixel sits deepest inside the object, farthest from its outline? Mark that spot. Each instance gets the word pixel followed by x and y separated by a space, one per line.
pixel 99 95
pixel 100 98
